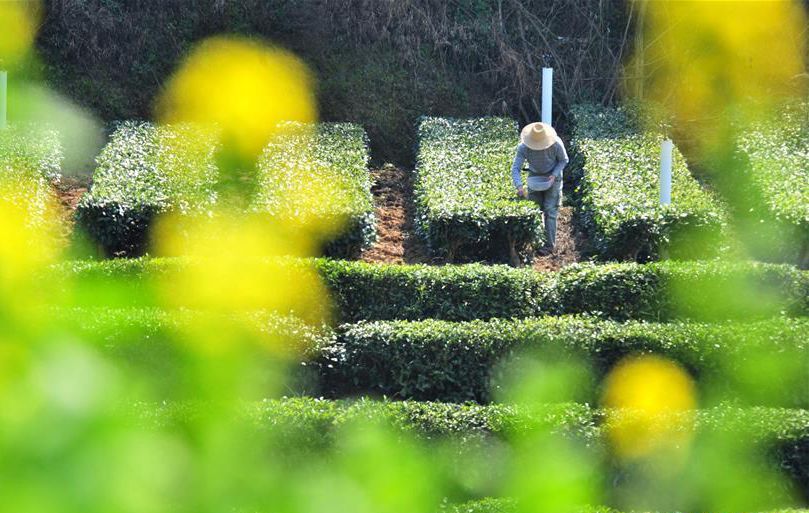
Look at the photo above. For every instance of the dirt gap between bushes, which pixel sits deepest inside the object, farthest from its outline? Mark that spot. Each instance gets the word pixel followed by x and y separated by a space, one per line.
pixel 398 243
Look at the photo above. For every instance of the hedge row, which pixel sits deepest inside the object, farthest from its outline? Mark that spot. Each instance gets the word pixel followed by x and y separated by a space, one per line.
pixel 142 172
pixel 30 160
pixel 764 362
pixel 34 149
pixel 778 154
pixel 619 193
pixel 312 423
pixel 466 205
pixel 147 170
pixel 360 291
pixel 507 505
pixel 321 176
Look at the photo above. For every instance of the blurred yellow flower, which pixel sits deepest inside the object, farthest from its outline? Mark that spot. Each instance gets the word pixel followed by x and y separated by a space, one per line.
pixel 245 87
pixel 651 404
pixel 27 228
pixel 700 58
pixel 17 30
pixel 239 263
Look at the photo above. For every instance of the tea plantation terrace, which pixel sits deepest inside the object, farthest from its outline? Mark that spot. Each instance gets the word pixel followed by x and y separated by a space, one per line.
pixel 146 170
pixel 618 198
pixel 304 424
pixel 459 361
pixel 670 290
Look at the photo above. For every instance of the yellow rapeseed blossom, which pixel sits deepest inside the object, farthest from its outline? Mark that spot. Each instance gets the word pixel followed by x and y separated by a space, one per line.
pixel 17 30
pixel 27 228
pixel 700 58
pixel 245 87
pixel 651 402
pixel 240 263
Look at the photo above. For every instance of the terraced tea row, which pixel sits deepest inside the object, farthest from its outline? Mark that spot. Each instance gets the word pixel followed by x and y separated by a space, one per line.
pixel 765 362
pixel 466 206
pixel 359 291
pixel 30 159
pixel 778 155
pixel 306 175
pixel 467 209
pixel 304 425
pixel 619 191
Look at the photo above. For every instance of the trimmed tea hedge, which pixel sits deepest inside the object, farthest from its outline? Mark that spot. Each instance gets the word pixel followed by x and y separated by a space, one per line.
pixel 466 205
pixel 619 194
pixel 142 172
pixel 778 154
pixel 33 149
pixel 506 505
pixel 30 160
pixel 449 361
pixel 147 170
pixel 446 361
pixel 312 424
pixel 361 291
pixel 320 174
pixel 455 292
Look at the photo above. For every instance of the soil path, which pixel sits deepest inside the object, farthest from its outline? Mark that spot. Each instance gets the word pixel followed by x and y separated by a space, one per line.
pixel 68 192
pixel 398 243
pixel 570 244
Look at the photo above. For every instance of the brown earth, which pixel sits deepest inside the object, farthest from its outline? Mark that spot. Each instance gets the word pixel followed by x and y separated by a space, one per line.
pixel 398 243
pixel 569 244
pixel 68 192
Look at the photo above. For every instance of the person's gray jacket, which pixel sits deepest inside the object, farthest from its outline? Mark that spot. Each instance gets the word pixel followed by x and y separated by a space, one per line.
pixel 550 161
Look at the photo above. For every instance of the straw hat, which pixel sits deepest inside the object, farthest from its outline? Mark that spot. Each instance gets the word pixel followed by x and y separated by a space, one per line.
pixel 538 136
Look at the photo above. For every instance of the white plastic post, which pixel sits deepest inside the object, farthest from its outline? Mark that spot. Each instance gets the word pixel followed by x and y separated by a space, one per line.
pixel 547 95
pixel 3 94
pixel 665 171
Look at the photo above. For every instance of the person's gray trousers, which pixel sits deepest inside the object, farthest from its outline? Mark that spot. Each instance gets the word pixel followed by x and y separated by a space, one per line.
pixel 549 202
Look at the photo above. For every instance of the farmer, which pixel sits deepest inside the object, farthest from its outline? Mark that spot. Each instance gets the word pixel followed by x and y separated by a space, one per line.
pixel 547 158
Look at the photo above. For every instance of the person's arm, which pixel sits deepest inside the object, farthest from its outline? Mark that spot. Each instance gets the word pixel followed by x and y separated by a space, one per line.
pixel 516 168
pixel 561 160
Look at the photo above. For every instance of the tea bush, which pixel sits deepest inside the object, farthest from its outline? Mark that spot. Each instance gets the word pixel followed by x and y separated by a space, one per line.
pixel 144 171
pixel 619 196
pixel 303 424
pixel 448 361
pixel 460 361
pixel 320 174
pixel 778 155
pixel 466 205
pixel 147 170
pixel 30 160
pixel 706 291
pixel 31 149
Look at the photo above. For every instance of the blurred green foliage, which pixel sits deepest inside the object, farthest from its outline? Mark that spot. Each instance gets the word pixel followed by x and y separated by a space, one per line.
pixel 779 170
